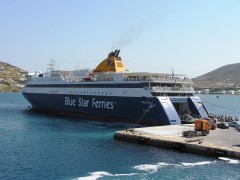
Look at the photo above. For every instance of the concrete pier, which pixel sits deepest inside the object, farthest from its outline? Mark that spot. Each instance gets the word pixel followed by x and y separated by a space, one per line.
pixel 220 142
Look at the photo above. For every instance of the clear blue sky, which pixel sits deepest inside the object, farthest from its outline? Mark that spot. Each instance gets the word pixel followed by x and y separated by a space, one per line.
pixel 192 37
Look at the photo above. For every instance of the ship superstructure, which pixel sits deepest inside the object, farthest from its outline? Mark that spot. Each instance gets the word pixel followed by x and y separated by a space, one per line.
pixel 112 93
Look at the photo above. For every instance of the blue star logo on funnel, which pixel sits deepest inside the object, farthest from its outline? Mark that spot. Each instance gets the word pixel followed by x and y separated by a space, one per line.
pixel 108 62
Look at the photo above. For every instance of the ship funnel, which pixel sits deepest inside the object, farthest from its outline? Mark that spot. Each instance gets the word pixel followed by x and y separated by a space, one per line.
pixel 112 63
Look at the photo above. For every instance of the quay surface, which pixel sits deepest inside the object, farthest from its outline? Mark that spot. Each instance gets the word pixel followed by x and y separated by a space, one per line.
pixel 219 142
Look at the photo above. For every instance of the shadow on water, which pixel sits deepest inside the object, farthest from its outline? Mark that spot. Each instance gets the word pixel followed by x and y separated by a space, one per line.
pixel 77 118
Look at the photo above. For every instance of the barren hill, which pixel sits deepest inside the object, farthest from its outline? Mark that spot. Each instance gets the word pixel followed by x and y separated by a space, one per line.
pixel 12 78
pixel 225 76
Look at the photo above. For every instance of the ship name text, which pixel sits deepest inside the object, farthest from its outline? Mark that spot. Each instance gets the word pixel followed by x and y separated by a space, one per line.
pixel 93 103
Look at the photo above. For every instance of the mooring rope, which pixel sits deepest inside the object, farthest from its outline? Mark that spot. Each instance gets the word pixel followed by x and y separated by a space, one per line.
pixel 143 114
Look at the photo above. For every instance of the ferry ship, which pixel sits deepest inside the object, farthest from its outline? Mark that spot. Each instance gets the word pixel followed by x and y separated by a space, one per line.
pixel 111 93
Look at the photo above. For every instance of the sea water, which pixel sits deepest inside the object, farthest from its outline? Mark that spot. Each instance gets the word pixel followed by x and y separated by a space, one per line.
pixel 42 146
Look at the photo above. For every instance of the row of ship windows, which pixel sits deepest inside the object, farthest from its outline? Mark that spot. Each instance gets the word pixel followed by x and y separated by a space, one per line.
pixel 88 85
pixel 45 80
pixel 85 93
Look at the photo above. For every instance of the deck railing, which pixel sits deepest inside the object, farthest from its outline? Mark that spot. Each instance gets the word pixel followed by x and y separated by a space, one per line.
pixel 175 80
pixel 165 89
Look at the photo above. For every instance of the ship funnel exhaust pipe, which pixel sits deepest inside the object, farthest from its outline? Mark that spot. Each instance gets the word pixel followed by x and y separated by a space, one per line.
pixel 118 53
pixel 115 53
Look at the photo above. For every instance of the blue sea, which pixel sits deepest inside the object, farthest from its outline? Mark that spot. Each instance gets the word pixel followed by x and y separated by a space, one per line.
pixel 42 146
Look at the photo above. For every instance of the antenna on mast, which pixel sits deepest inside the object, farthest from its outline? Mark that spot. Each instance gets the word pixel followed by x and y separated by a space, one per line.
pixel 172 73
pixel 51 66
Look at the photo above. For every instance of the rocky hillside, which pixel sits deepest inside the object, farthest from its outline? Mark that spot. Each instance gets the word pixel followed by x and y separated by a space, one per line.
pixel 12 78
pixel 223 77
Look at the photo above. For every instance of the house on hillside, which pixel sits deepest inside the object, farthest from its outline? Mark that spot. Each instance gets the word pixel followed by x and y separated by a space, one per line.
pixel 205 91
pixel 221 91
pixel 229 91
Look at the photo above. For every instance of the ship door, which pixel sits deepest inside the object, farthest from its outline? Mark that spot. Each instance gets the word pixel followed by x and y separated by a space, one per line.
pixel 181 108
pixel 181 105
